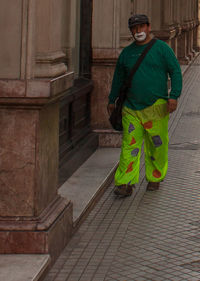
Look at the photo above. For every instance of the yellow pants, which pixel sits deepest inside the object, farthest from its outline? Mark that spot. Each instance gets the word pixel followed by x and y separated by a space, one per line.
pixel 150 125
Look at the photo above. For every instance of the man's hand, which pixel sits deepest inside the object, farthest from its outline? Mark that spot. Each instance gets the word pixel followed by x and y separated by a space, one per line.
pixel 171 105
pixel 110 108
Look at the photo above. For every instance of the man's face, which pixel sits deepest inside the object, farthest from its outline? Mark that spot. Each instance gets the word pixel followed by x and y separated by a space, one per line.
pixel 140 32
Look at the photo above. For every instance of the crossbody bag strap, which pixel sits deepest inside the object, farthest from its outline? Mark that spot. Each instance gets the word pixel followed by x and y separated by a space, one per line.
pixel 127 83
pixel 139 61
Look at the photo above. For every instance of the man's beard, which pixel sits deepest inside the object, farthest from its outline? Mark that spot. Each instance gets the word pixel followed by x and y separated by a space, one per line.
pixel 141 36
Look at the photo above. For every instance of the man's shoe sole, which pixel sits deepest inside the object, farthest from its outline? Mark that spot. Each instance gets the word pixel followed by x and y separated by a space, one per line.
pixel 122 190
pixel 153 186
pixel 122 195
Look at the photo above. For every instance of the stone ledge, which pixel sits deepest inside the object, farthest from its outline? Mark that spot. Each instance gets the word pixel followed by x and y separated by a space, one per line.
pixel 109 138
pixel 25 91
pixel 23 267
pixel 87 184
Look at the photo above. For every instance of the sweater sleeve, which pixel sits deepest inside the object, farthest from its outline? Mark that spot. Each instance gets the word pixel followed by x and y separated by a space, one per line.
pixel 174 71
pixel 118 79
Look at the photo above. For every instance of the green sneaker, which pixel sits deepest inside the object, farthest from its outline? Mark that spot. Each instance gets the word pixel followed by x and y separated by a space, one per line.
pixel 124 190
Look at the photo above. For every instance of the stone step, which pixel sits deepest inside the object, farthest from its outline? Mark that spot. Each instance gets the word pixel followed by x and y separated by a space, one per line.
pixel 87 184
pixel 23 267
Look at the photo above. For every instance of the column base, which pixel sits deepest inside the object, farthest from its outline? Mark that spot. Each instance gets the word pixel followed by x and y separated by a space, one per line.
pixel 194 53
pixel 184 60
pixel 46 234
pixel 190 56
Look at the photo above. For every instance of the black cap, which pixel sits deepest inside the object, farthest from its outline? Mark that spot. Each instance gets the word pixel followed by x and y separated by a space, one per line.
pixel 137 19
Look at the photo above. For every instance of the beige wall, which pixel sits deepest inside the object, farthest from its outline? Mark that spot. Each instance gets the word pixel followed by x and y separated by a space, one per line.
pixel 142 7
pixel 71 33
pixel 48 39
pixel 48 26
pixel 31 38
pixel 167 12
pixel 105 25
pixel 10 38
pixel 126 8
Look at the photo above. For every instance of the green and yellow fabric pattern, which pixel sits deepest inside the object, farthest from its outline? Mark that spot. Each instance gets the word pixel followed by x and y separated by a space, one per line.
pixel 150 125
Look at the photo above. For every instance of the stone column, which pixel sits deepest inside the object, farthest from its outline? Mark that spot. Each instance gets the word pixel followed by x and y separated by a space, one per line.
pixel 177 26
pixel 196 45
pixel 71 33
pixel 142 7
pixel 33 218
pixel 194 16
pixel 126 9
pixel 106 49
pixel 190 22
pixel 177 22
pixel 49 53
pixel 162 20
pixel 156 16
pixel 182 43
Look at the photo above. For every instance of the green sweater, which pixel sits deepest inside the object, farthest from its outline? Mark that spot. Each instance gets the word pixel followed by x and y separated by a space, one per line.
pixel 149 83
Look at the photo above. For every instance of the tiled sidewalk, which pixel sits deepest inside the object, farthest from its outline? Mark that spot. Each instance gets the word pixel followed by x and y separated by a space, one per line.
pixel 150 235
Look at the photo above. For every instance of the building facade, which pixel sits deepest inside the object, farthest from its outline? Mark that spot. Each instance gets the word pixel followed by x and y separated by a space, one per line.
pixel 174 21
pixel 57 59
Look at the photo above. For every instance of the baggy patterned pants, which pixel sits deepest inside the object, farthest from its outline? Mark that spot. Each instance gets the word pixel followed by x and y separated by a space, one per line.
pixel 150 125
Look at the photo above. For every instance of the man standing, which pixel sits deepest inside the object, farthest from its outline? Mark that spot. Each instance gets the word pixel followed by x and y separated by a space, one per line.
pixel 146 109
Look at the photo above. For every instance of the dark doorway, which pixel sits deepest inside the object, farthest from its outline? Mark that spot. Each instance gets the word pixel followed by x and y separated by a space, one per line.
pixel 77 142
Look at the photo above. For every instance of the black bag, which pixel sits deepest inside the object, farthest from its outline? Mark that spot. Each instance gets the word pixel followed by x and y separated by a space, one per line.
pixel 116 115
